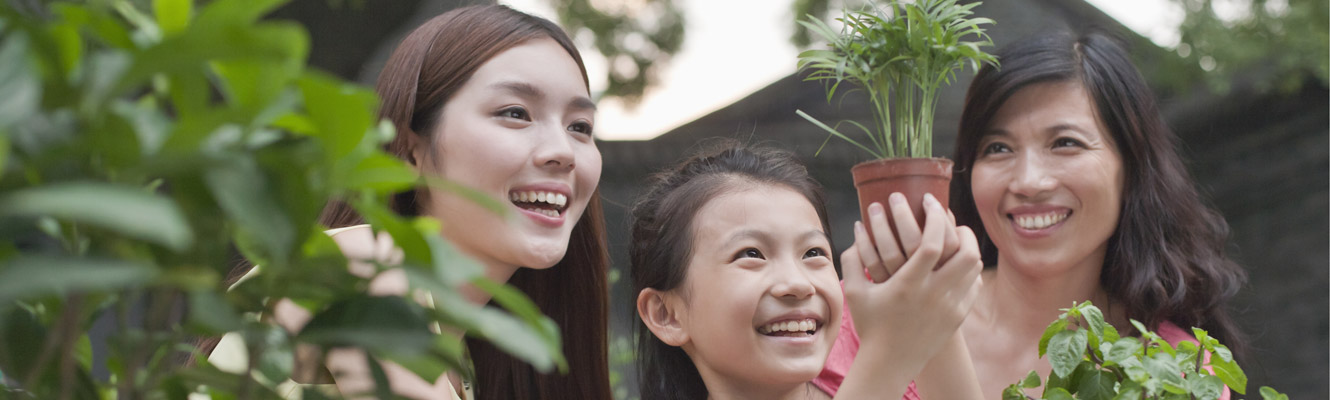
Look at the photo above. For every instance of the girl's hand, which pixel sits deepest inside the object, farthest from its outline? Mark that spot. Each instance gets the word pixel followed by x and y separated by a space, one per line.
pixel 934 279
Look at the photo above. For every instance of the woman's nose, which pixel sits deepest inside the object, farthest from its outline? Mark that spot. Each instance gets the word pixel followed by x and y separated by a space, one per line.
pixel 1033 175
pixel 555 150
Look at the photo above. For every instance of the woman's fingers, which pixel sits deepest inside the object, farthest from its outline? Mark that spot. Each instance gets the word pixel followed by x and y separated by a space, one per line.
pixel 868 255
pixel 884 239
pixel 907 229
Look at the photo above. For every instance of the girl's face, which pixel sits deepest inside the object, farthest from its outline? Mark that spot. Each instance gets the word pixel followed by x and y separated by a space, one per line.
pixel 760 306
pixel 519 131
pixel 1048 181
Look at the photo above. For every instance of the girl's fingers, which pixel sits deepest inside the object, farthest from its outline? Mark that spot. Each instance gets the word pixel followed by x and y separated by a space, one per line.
pixel 868 255
pixel 852 267
pixel 965 265
pixel 907 228
pixel 884 239
pixel 929 250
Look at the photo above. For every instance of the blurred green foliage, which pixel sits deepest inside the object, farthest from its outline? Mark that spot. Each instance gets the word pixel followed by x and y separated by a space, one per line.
pixel 637 39
pixel 140 143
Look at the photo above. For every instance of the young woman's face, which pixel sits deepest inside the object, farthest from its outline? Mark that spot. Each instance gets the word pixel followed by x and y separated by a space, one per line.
pixel 1048 180
pixel 519 131
pixel 761 301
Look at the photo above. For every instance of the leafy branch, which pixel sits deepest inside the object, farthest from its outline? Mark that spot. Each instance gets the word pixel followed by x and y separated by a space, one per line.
pixel 1092 361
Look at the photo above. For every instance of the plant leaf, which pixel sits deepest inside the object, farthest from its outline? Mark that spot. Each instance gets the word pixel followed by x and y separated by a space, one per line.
pixel 1065 351
pixel 130 211
pixel 33 276
pixel 1097 385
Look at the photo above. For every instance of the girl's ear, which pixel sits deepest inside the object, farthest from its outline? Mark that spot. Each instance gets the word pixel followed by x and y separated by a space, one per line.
pixel 661 316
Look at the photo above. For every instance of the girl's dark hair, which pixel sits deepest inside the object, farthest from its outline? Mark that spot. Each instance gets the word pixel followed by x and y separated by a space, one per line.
pixel 426 69
pixel 662 237
pixel 1165 261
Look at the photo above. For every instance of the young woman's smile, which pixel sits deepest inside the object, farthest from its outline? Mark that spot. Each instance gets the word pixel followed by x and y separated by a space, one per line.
pixel 517 134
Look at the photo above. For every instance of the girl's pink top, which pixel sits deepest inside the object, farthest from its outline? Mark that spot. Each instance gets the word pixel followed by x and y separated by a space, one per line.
pixel 847 345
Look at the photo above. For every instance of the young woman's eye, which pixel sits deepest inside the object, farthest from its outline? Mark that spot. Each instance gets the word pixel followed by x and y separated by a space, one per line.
pixel 748 253
pixel 815 252
pixel 996 147
pixel 1067 142
pixel 580 127
pixel 515 113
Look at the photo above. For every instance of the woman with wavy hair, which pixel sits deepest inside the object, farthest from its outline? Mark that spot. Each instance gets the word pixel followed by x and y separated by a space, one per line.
pixel 1073 185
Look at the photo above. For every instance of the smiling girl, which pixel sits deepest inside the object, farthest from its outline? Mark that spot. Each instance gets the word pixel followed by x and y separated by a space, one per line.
pixel 738 295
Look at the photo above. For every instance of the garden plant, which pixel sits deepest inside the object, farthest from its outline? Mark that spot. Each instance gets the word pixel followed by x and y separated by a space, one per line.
pixel 1091 360
pixel 143 144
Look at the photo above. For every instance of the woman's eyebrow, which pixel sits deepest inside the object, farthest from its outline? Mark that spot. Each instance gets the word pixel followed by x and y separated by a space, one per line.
pixel 521 89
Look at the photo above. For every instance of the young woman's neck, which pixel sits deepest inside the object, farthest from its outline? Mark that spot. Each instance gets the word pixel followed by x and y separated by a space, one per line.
pixel 495 271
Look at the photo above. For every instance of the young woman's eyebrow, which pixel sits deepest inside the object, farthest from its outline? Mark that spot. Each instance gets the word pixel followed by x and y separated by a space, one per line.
pixel 520 89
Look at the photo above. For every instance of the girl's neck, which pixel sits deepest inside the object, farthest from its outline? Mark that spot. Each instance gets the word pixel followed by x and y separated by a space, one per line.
pixel 801 391
pixel 494 270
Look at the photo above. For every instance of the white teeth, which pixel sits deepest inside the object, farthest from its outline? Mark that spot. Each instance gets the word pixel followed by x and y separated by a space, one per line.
pixel 789 326
pixel 556 199
pixel 1040 221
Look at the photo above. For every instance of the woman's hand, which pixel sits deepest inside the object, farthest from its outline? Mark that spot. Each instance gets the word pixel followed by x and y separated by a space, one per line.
pixel 905 320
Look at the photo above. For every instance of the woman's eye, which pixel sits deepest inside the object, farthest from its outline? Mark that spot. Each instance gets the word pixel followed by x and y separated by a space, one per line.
pixel 515 113
pixel 748 253
pixel 993 148
pixel 1067 142
pixel 580 127
pixel 815 252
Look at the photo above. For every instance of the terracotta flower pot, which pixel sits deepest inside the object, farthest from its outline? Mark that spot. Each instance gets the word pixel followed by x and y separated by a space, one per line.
pixel 876 180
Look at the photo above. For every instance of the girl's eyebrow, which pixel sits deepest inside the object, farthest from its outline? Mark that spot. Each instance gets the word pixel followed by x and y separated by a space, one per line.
pixel 764 237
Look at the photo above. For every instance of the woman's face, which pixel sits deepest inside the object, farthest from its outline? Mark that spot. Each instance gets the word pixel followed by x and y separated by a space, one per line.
pixel 1048 181
pixel 519 131
pixel 761 300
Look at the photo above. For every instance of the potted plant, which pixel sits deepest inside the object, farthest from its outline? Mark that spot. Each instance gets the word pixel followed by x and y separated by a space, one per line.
pixel 900 54
pixel 1092 361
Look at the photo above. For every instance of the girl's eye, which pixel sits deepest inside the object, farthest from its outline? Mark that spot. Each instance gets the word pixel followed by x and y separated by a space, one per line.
pixel 515 113
pixel 995 147
pixel 748 253
pixel 1067 142
pixel 581 127
pixel 815 252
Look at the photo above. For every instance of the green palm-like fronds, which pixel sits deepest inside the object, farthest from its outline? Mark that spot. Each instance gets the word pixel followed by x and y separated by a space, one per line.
pixel 901 54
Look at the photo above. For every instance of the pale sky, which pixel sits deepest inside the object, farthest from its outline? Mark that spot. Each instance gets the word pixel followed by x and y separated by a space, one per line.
pixel 735 47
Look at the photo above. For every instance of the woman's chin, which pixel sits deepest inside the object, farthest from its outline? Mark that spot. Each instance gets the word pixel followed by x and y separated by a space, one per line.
pixel 544 255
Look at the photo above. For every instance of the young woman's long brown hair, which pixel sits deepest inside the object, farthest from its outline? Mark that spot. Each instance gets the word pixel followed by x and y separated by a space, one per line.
pixel 431 64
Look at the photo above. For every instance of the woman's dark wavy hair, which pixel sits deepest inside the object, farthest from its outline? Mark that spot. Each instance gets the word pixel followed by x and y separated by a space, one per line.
pixel 427 68
pixel 1166 260
pixel 662 237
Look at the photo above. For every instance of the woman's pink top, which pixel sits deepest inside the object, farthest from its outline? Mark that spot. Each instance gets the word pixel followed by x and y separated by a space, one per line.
pixel 847 345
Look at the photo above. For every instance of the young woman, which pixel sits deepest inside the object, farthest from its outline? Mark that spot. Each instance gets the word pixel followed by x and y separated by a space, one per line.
pixel 738 296
pixel 1072 182
pixel 496 100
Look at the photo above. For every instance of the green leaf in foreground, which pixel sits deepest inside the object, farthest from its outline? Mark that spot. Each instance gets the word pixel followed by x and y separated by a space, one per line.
pixel 33 276
pixel 127 210
pixel 1065 351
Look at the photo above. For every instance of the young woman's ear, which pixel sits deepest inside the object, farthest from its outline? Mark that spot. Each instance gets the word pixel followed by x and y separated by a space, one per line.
pixel 416 144
pixel 661 316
